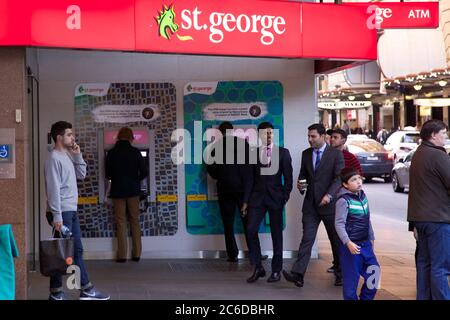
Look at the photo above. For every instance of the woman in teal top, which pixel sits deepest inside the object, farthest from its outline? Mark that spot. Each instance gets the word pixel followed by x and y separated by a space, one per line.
pixel 8 251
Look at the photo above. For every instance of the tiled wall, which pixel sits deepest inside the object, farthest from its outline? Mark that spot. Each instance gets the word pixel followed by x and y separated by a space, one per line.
pixel 159 219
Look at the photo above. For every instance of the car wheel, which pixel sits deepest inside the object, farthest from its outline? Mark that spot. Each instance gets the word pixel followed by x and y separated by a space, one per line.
pixel 388 179
pixel 396 184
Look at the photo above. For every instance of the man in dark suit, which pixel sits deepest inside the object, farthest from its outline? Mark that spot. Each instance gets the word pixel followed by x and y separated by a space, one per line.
pixel 268 193
pixel 319 176
pixel 232 175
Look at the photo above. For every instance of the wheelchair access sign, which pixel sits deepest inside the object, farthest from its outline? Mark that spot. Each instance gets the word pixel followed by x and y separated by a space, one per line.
pixel 5 153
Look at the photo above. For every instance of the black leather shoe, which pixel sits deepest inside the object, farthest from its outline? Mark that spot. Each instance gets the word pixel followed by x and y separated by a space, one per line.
pixel 136 259
pixel 338 281
pixel 258 273
pixel 331 269
pixel 232 259
pixel 295 278
pixel 121 260
pixel 264 257
pixel 274 277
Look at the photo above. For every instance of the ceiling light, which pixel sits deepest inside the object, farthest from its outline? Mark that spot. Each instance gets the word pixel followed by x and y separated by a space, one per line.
pixel 351 98
pixel 367 95
pixel 442 83
pixel 408 97
pixel 429 94
pixel 417 87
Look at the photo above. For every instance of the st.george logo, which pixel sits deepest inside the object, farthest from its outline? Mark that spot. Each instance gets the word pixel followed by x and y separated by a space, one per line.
pixel 167 25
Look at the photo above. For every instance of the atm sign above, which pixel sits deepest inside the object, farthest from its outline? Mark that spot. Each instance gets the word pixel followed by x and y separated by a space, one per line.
pixel 402 15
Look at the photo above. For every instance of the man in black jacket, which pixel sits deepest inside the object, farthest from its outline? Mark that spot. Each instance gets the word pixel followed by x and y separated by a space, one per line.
pixel 125 167
pixel 429 211
pixel 319 176
pixel 268 194
pixel 232 175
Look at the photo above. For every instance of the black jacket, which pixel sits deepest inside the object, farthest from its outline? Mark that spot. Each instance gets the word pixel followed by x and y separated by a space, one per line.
pixel 429 185
pixel 268 188
pixel 325 180
pixel 231 177
pixel 125 167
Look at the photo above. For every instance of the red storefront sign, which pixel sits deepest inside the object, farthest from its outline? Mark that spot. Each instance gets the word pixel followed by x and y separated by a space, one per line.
pixel 398 15
pixel 331 28
pixel 228 27
pixel 86 24
pixel 245 28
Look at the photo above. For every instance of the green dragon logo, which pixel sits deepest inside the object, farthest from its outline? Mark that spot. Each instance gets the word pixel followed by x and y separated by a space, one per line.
pixel 167 24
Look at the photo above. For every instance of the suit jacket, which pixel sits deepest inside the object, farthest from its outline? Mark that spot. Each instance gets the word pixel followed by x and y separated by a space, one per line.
pixel 324 181
pixel 231 177
pixel 269 189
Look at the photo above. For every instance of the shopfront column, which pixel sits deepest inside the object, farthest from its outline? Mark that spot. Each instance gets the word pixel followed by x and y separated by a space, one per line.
pixel 410 113
pixel 13 117
pixel 333 118
pixel 376 117
pixel 396 115
pixel 448 115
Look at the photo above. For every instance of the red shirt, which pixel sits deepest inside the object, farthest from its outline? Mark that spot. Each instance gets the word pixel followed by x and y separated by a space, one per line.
pixel 351 161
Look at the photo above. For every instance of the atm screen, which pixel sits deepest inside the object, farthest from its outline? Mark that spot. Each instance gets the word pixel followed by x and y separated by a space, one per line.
pixel 144 153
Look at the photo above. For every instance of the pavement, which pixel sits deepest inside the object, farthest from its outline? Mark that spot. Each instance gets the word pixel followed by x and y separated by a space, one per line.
pixel 216 279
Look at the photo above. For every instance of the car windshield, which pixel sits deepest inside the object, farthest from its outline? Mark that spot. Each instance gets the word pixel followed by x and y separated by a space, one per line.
pixel 411 138
pixel 357 146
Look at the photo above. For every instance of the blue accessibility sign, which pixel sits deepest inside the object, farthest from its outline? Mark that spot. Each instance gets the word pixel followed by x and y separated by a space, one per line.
pixel 5 151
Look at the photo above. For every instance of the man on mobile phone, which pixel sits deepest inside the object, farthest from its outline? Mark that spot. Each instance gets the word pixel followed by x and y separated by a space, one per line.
pixel 63 167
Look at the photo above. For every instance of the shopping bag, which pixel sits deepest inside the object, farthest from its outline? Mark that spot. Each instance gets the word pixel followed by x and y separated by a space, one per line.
pixel 55 256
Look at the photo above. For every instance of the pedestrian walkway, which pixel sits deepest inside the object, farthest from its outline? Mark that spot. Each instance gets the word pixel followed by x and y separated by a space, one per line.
pixel 201 279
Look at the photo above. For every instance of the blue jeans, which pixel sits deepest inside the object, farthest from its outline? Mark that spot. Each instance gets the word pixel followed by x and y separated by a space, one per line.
pixel 70 220
pixel 353 266
pixel 433 261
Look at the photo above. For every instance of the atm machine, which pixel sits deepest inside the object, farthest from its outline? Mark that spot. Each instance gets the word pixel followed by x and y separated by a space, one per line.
pixel 144 141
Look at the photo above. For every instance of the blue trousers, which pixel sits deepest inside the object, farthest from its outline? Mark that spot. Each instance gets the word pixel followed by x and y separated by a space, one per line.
pixel 355 266
pixel 433 261
pixel 70 220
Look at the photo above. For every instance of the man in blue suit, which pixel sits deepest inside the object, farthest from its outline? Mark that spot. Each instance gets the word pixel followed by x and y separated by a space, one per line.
pixel 320 168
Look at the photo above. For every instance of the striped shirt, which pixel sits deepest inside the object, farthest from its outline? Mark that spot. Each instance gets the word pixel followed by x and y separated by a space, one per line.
pixel 351 161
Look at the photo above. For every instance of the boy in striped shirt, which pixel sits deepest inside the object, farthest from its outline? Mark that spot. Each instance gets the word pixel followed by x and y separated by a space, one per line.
pixel 353 226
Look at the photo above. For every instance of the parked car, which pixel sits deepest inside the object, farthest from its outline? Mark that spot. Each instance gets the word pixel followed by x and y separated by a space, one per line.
pixel 375 160
pixel 357 137
pixel 400 172
pixel 402 142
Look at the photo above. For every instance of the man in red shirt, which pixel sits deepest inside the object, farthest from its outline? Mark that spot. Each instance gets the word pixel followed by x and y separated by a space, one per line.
pixel 338 139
